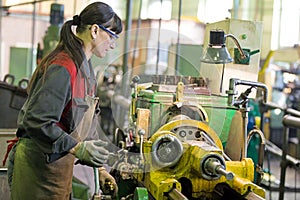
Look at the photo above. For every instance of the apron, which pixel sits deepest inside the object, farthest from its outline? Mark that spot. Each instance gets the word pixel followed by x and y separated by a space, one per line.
pixel 33 178
pixel 86 125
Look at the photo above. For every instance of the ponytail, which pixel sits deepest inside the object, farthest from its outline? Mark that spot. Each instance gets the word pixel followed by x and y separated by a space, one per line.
pixel 69 43
pixel 72 45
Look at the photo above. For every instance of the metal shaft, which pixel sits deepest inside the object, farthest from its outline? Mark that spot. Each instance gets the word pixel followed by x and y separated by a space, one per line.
pixel 214 167
pixel 174 194
pixel 228 175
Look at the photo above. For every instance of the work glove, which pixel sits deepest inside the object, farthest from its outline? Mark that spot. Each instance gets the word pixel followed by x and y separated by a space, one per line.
pixel 108 184
pixel 91 153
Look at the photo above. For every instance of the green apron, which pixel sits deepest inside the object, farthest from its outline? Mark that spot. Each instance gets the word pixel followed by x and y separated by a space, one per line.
pixel 35 179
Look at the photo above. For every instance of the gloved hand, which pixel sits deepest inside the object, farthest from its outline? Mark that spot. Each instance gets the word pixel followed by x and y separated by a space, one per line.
pixel 108 184
pixel 91 153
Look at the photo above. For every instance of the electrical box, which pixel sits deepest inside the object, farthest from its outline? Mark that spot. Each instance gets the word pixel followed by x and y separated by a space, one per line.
pixel 248 34
pixel 20 63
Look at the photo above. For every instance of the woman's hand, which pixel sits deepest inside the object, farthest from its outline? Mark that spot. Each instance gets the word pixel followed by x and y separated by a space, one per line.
pixel 108 184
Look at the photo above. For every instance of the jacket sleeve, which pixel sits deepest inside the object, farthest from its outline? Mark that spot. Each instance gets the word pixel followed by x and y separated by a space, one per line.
pixel 45 105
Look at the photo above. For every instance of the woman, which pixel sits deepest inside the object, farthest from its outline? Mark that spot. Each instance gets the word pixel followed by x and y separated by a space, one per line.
pixel 58 116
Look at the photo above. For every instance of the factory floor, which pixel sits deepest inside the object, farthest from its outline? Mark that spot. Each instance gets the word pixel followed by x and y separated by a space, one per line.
pixel 292 180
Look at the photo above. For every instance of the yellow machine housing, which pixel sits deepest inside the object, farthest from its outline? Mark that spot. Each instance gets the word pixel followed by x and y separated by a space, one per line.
pixel 174 151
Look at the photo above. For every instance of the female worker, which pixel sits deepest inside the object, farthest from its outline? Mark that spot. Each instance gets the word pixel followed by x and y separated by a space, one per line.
pixel 59 113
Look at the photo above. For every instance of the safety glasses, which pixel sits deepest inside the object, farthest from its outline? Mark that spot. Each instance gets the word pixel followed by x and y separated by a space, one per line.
pixel 112 34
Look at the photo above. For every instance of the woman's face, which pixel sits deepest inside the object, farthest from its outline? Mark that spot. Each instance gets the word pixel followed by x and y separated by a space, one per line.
pixel 104 41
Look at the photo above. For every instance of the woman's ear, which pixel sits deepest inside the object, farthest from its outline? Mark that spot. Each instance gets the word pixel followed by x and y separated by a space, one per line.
pixel 94 31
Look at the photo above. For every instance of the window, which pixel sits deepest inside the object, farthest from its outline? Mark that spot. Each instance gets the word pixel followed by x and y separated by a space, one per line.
pixel 286 20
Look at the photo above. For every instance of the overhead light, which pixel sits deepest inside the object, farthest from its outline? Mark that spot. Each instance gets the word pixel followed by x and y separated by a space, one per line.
pixel 217 53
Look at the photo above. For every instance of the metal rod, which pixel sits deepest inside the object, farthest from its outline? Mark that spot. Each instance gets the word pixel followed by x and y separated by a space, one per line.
pixel 125 79
pixel 128 24
pixel 136 35
pixel 283 163
pixel 174 194
pixel 32 38
pixel 222 77
pixel 96 180
pixel 245 111
pixel 158 39
pixel 261 151
pixel 238 45
pixel 288 121
pixel 178 40
pixel 222 171
pixel 74 7
pixel 291 121
pixel 234 82
pixel 231 101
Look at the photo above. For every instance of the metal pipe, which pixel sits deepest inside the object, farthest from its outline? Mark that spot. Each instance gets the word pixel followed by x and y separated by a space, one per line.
pixel 96 180
pixel 278 152
pixel 232 91
pixel 32 38
pixel 293 112
pixel 158 38
pixel 174 194
pixel 261 151
pixel 236 7
pixel 74 7
pixel 178 39
pixel 287 121
pixel 141 134
pixel 228 175
pixel 128 23
pixel 291 121
pixel 137 35
pixel 283 163
pixel 245 111
pixel 234 82
pixel 125 78
pixel 243 55
pixel 231 101
pixel 271 106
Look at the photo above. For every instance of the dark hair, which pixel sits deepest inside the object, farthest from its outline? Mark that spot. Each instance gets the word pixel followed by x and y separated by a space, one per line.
pixel 94 13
